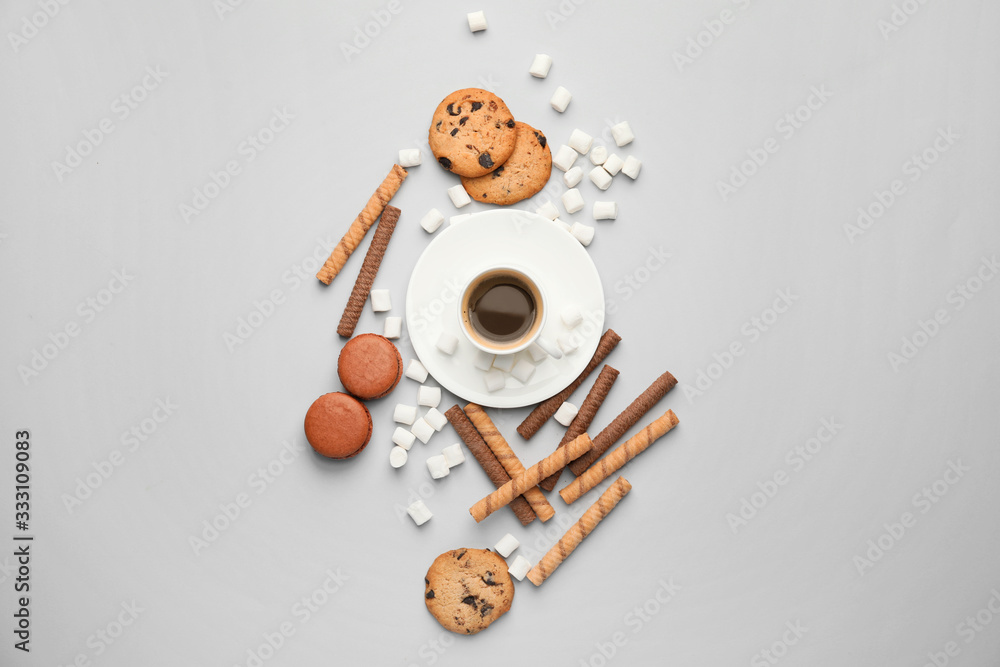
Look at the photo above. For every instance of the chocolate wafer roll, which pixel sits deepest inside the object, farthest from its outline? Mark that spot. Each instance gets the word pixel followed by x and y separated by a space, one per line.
pixel 335 262
pixel 578 531
pixel 507 458
pixel 621 455
pixel 544 410
pixel 586 414
pixel 529 478
pixel 628 418
pixel 470 436
pixel 369 269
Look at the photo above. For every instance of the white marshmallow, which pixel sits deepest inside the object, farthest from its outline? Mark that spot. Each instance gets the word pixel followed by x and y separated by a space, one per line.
pixel 432 220
pixel 435 419
pixel 622 133
pixel 393 327
pixel 523 370
pixel 403 438
pixel 420 514
pixel 506 545
pixel 571 316
pixel 613 164
pixel 548 210
pixel 566 413
pixel 564 158
pixel 537 352
pixel 437 466
pixel 429 396
pixel 519 568
pixel 416 371
pixel 550 348
pixel 573 177
pixel 560 99
pixel 562 225
pixel 459 197
pixel 601 178
pixel 572 200
pixel 409 157
pixel 447 342
pixel 397 457
pixel 599 155
pixel 605 210
pixel 453 455
pixel 568 343
pixel 580 141
pixel 404 414
pixel 540 66
pixel 495 380
pixel 381 301
pixel 461 217
pixel 477 21
pixel 631 167
pixel 484 360
pixel 422 430
pixel 504 362
pixel 582 233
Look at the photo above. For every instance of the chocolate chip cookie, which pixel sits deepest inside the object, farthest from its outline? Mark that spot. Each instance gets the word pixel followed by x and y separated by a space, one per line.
pixel 524 173
pixel 472 132
pixel 467 589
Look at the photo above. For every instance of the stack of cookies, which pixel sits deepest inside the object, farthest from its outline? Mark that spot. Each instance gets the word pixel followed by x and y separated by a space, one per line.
pixel 500 160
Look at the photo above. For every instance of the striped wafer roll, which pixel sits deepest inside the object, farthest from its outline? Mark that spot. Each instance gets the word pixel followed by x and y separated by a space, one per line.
pixel 578 531
pixel 628 418
pixel 583 419
pixel 373 209
pixel 470 436
pixel 544 410
pixel 507 458
pixel 621 455
pixel 369 269
pixel 529 478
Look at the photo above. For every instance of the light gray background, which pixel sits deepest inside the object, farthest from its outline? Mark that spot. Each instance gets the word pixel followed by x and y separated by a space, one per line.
pixel 163 336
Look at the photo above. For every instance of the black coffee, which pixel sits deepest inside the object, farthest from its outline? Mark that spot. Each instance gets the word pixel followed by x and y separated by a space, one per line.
pixel 501 309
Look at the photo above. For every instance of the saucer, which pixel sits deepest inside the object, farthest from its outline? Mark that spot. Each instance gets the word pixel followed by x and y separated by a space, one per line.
pixel 566 275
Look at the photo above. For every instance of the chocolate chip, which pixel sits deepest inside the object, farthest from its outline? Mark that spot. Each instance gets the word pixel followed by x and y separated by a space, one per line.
pixel 487 608
pixel 459 556
pixel 430 594
pixel 426 580
pixel 438 126
pixel 485 161
pixel 461 121
pixel 476 106
pixel 470 600
pixel 510 123
pixel 445 162
pixel 452 111
pixel 454 132
pixel 541 139
pixel 488 579
pixel 493 105
pixel 498 171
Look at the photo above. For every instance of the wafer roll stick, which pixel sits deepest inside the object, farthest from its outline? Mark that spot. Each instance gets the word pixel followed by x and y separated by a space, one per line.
pixel 470 436
pixel 585 526
pixel 507 458
pixel 544 410
pixel 335 262
pixel 628 418
pixel 583 419
pixel 529 478
pixel 621 455
pixel 369 269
